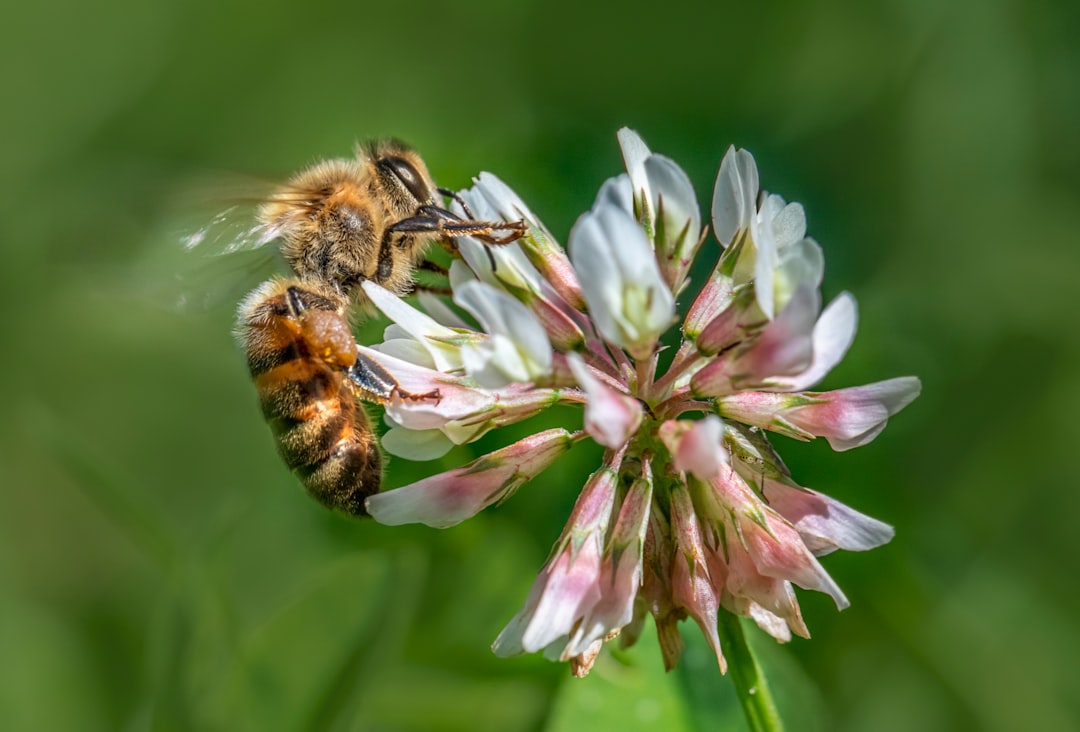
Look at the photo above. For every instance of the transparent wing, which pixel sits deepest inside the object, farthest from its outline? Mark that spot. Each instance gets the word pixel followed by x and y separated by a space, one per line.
pixel 199 261
pixel 227 215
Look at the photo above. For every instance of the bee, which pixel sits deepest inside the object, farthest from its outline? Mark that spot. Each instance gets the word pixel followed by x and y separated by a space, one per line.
pixel 340 223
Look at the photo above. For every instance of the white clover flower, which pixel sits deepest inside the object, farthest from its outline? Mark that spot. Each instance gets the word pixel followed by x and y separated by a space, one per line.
pixel 773 252
pixel 692 513
pixel 628 300
pixel 517 348
pixel 663 198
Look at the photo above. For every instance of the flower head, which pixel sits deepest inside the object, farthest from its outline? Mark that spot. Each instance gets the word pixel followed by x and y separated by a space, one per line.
pixel 692 513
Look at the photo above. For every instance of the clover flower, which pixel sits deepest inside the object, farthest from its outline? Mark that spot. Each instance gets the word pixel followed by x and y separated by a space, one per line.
pixel 691 513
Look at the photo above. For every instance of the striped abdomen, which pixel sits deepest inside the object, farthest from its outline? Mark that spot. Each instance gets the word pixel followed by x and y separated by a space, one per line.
pixel 299 348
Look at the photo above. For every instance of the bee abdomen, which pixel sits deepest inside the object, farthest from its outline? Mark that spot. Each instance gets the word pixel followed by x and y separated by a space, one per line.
pixel 325 442
pixel 297 389
pixel 298 348
pixel 349 474
pixel 311 441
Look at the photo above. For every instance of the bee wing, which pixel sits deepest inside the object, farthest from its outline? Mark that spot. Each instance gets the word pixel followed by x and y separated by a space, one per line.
pixel 217 261
pixel 223 280
pixel 229 220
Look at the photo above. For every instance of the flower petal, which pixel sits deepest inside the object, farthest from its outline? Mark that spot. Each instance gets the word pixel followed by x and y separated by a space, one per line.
pixel 449 498
pixel 695 446
pixel 833 335
pixel 610 417
pixel 568 586
pixel 419 445
pixel 616 192
pixel 541 249
pixel 627 298
pixel 785 346
pixel 778 551
pixel 428 332
pixel 735 195
pixel 852 417
pixel 692 587
pixel 824 523
pixel 635 152
pixel 454 400
pixel 518 348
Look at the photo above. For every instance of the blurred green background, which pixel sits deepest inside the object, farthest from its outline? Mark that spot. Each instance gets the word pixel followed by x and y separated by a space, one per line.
pixel 160 569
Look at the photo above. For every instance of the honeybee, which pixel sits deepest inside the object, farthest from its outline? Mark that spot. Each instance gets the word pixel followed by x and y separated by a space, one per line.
pixel 341 222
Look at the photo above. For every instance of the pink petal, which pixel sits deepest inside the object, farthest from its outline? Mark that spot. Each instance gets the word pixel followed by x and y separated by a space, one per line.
pixel 852 417
pixel 713 379
pixel 714 298
pixel 785 346
pixel 778 551
pixel 449 498
pixel 621 573
pixel 610 417
pixel 764 409
pixel 568 587
pixel 692 587
pixel 695 446
pixel 823 523
pixel 764 599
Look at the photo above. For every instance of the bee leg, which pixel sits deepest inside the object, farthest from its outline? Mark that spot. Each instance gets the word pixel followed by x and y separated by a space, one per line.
pixel 428 266
pixel 375 383
pixel 458 200
pixel 296 305
pixel 435 220
pixel 433 289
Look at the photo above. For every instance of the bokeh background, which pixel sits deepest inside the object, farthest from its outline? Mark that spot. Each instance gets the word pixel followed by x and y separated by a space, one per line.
pixel 159 569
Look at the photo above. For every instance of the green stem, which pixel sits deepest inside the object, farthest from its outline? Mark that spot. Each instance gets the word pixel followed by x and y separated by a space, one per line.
pixel 750 684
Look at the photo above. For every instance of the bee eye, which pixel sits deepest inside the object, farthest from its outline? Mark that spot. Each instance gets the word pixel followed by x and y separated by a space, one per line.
pixel 408 175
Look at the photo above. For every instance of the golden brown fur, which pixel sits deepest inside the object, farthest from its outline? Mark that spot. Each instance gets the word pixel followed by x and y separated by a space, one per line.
pixel 334 219
pixel 299 348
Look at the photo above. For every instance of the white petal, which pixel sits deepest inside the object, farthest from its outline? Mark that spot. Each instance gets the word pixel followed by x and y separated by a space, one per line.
pixel 800 264
pixel 406 349
pixel 766 259
pixel 789 224
pixel 833 335
pixel 824 523
pixel 417 445
pixel 460 273
pixel 417 324
pixel 620 279
pixel 735 195
pixel 440 311
pixel 512 267
pixel 669 182
pixel 502 198
pixel 616 192
pixel 635 152
pixel 518 347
